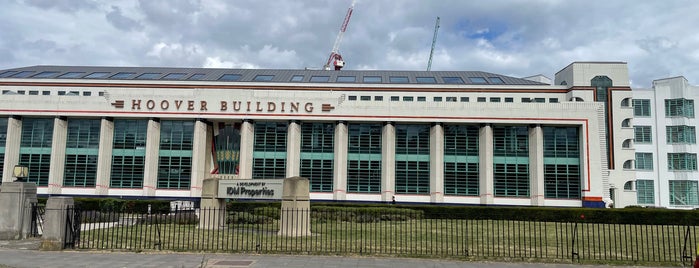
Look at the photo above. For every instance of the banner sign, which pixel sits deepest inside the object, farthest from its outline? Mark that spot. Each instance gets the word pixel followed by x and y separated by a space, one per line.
pixel 251 189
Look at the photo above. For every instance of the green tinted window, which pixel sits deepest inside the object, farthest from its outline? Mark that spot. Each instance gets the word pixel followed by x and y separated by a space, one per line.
pixel 129 153
pixel 412 159
pixel 269 153
pixel 175 155
pixel 461 160
pixel 82 150
pixel 511 161
pixel 643 134
pixel 35 148
pixel 645 192
pixel 364 158
pixel 317 155
pixel 562 177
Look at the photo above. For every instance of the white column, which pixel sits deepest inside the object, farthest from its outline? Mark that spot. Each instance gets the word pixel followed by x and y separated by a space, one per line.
pixel 486 163
pixel 200 150
pixel 58 155
pixel 150 172
pixel 437 163
pixel 388 162
pixel 536 165
pixel 104 160
pixel 247 138
pixel 340 162
pixel 12 142
pixel 293 149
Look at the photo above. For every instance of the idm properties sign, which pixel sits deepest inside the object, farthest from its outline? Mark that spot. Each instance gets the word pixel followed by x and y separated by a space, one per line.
pixel 251 189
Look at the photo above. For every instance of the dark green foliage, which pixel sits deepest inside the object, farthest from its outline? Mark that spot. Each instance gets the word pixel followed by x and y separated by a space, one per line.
pixel 240 217
pixel 122 205
pixel 177 218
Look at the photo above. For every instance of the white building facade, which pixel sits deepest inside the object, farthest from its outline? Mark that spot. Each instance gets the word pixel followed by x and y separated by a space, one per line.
pixel 665 142
pixel 421 137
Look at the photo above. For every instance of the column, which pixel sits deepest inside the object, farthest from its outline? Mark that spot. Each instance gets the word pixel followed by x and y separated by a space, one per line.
pixel 437 163
pixel 247 138
pixel 340 163
pixel 485 165
pixel 58 155
pixel 536 165
pixel 12 144
pixel 150 172
pixel 293 149
pixel 388 162
pixel 104 160
pixel 201 145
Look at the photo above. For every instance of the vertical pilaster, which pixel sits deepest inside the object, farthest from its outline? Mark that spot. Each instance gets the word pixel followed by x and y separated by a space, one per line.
pixel 437 163
pixel 200 140
pixel 536 165
pixel 104 160
pixel 293 149
pixel 150 172
pixel 486 163
pixel 388 161
pixel 12 144
pixel 340 162
pixel 58 155
pixel 247 138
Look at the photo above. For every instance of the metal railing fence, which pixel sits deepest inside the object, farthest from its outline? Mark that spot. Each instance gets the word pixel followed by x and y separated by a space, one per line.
pixel 402 233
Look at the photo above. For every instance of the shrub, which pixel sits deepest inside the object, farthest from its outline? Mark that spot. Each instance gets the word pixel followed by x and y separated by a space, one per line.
pixel 247 218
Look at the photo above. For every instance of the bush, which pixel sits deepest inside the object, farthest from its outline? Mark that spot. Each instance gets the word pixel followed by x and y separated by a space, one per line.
pixel 247 218
pixel 97 216
pixel 188 217
pixel 270 212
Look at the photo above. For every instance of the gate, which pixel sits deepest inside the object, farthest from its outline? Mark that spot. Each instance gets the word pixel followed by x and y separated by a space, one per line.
pixel 37 224
pixel 72 237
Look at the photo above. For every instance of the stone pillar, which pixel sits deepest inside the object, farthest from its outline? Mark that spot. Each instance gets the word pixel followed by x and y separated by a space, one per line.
pixel 437 163
pixel 150 169
pixel 12 144
pixel 247 139
pixel 58 155
pixel 17 199
pixel 293 149
pixel 296 208
pixel 388 162
pixel 536 165
pixel 201 147
pixel 56 214
pixel 340 163
pixel 104 160
pixel 486 163
pixel 212 214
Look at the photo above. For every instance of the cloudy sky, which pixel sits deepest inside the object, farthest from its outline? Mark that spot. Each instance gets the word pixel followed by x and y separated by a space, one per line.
pixel 658 39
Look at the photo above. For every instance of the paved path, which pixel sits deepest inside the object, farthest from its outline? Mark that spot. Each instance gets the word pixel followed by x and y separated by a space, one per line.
pixel 24 254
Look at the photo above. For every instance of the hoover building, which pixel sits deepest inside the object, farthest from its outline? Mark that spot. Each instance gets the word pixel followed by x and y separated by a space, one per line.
pixel 456 137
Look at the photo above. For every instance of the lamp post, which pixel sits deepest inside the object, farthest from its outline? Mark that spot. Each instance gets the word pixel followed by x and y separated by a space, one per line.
pixel 20 172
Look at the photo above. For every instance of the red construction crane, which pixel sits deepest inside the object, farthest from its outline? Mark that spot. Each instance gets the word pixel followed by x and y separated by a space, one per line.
pixel 335 58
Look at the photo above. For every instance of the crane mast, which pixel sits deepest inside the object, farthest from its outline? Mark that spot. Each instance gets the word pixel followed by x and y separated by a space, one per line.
pixel 335 58
pixel 434 41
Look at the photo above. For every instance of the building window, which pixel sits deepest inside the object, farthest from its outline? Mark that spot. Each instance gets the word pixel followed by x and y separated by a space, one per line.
pixel 352 98
pixel 477 80
pixel 318 79
pixel 346 79
pixel 378 98
pixel 364 158
pixel 297 78
pixel 626 122
pixel 425 80
pixel 681 134
pixel 644 161
pixel 626 102
pixel 461 173
pixel 263 78
pixel 82 149
pixel 230 77
pixel 684 193
pixel 317 155
pixel 451 99
pixel 398 79
pixel 395 98
pixel 365 98
pixel 412 159
pixel 372 79
pixel 509 100
pixel 437 99
pixel 626 144
pixel 641 107
pixel 481 99
pixel 526 100
pixel 227 146
pixel 511 161
pixel 562 177
pixel 421 98
pixel 129 153
pixel 643 134
pixel 452 80
pixel 553 100
pixel 35 148
pixel 494 99
pixel 407 98
pixel 628 164
pixel 269 153
pixel 464 99
pixel 645 192
pixel 628 186
pixel 681 161
pixel 540 100
pixel 679 108
pixel 175 155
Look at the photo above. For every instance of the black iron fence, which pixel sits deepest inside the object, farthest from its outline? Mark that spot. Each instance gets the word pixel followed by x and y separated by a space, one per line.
pixel 394 232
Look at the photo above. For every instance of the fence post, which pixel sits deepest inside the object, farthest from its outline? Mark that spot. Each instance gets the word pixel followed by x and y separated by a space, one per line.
pixel 57 209
pixel 16 201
